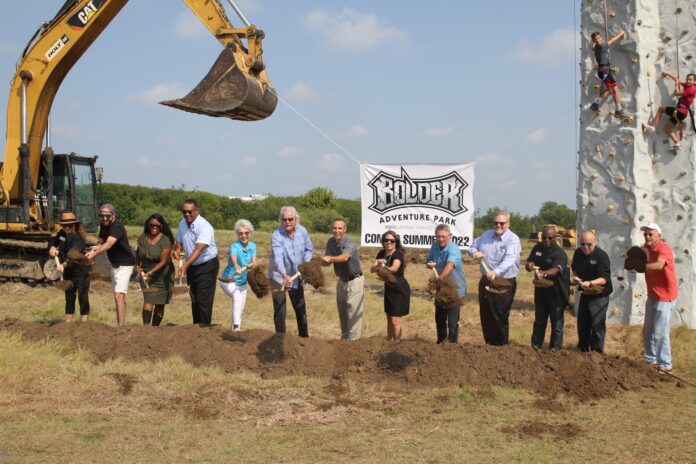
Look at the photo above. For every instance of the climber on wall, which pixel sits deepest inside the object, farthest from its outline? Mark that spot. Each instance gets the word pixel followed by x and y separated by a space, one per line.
pixel 685 92
pixel 609 85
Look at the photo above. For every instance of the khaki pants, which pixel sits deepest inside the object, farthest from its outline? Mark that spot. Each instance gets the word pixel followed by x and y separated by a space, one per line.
pixel 350 297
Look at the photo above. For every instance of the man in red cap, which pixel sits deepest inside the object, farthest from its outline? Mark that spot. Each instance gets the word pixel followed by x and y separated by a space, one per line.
pixel 661 281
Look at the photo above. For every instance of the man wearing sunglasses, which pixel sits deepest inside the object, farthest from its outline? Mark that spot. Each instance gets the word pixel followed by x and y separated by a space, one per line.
pixel 113 239
pixel 661 280
pixel 500 249
pixel 549 303
pixel 591 266
pixel 290 247
pixel 196 237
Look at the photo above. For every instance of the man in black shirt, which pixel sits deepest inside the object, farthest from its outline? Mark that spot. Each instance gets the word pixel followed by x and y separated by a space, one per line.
pixel 552 264
pixel 609 85
pixel 113 239
pixel 591 266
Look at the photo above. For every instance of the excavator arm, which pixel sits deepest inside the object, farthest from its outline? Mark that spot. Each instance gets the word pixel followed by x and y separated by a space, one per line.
pixel 236 87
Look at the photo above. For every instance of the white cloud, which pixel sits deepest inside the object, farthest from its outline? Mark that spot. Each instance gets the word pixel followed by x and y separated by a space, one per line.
pixel 353 30
pixel 331 162
pixel 556 47
pixel 289 152
pixel 496 159
pixel 159 92
pixel 503 182
pixel 356 132
pixel 146 162
pixel 300 92
pixel 188 26
pixel 249 161
pixel 538 136
pixel 437 132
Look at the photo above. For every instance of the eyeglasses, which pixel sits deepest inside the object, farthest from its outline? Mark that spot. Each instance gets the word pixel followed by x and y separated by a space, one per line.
pixel 288 219
pixel 496 223
pixel 187 212
pixel 649 234
pixel 586 244
pixel 105 216
pixel 388 240
pixel 243 233
pixel 548 237
pixel 68 226
pixel 155 226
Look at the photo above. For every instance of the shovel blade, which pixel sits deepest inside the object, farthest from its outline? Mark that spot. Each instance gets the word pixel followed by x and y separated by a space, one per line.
pixel 180 290
pixel 228 92
pixel 77 257
pixel 63 284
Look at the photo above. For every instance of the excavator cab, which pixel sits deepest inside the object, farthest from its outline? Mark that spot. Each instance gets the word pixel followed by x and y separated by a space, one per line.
pixel 75 189
pixel 228 91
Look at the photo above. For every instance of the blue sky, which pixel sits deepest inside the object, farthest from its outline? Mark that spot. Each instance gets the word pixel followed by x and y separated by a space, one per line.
pixel 445 82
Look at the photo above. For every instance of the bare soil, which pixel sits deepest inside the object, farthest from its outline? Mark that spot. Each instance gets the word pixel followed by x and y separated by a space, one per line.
pixel 405 365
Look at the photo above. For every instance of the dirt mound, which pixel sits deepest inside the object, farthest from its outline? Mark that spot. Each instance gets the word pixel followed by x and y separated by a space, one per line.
pixel 407 364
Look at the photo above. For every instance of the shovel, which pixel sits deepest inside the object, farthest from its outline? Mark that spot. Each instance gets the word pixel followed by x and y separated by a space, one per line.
pixel 228 280
pixel 145 287
pixel 498 285
pixel 292 279
pixel 180 289
pixel 61 284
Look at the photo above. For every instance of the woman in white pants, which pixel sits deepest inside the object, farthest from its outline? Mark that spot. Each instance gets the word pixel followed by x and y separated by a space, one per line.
pixel 242 257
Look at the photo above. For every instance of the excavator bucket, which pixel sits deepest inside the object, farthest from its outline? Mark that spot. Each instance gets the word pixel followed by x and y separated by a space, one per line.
pixel 228 92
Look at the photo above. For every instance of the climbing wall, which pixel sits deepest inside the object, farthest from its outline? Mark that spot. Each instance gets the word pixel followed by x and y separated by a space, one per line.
pixel 627 178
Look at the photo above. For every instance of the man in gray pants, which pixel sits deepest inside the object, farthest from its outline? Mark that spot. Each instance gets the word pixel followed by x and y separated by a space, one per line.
pixel 350 288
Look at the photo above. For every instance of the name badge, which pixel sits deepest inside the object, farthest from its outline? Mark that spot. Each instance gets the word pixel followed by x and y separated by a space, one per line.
pixel 538 253
pixel 593 261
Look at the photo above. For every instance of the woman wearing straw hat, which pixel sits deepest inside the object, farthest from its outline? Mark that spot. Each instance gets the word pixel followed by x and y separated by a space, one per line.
pixel 154 266
pixel 72 237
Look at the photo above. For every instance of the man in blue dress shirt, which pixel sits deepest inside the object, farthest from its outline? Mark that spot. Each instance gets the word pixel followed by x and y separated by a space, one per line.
pixel 500 249
pixel 290 247
pixel 196 237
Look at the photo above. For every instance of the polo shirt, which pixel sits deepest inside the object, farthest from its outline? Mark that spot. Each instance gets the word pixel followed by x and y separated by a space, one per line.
pixel 662 285
pixel 199 231
pixel 351 268
pixel 449 254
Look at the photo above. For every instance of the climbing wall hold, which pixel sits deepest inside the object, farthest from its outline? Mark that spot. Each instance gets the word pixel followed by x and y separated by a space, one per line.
pixel 615 311
pixel 610 208
pixel 597 148
pixel 612 14
pixel 637 294
pixel 634 60
pixel 611 154
pixel 641 217
pixel 629 201
pixel 622 178
pixel 627 142
pixel 594 175
pixel 626 222
pixel 679 217
pixel 615 69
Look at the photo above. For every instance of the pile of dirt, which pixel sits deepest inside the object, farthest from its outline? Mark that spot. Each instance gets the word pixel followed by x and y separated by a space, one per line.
pixel 407 364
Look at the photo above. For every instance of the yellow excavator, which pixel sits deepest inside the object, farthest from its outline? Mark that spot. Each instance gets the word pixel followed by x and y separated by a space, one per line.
pixel 36 184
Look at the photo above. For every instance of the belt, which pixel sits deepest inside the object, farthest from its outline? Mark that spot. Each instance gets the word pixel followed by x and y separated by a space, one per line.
pixel 351 278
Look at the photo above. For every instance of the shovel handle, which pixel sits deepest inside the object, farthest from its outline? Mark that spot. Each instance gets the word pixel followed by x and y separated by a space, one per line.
pixel 485 266
pixel 292 279
pixel 181 264
pixel 142 276
pixel 58 266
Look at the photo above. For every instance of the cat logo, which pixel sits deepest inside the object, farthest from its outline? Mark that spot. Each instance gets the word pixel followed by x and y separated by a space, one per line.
pixel 80 19
pixel 56 47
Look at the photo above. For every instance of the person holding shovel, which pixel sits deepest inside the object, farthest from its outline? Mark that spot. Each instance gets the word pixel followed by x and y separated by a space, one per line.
pixel 196 237
pixel 290 247
pixel 242 258
pixel 591 269
pixel 72 237
pixel 499 251
pixel 350 287
pixel 113 239
pixel 397 292
pixel 153 265
pixel 550 264
pixel 446 258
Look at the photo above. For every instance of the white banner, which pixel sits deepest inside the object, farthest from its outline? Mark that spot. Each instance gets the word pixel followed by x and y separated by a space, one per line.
pixel 412 199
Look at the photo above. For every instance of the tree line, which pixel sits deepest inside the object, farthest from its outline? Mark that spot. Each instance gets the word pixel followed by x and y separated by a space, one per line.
pixel 317 208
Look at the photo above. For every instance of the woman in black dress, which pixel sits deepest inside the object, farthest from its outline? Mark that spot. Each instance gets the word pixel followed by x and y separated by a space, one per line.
pixel 397 295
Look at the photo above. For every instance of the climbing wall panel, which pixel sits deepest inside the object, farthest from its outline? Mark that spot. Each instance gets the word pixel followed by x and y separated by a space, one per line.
pixel 626 177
